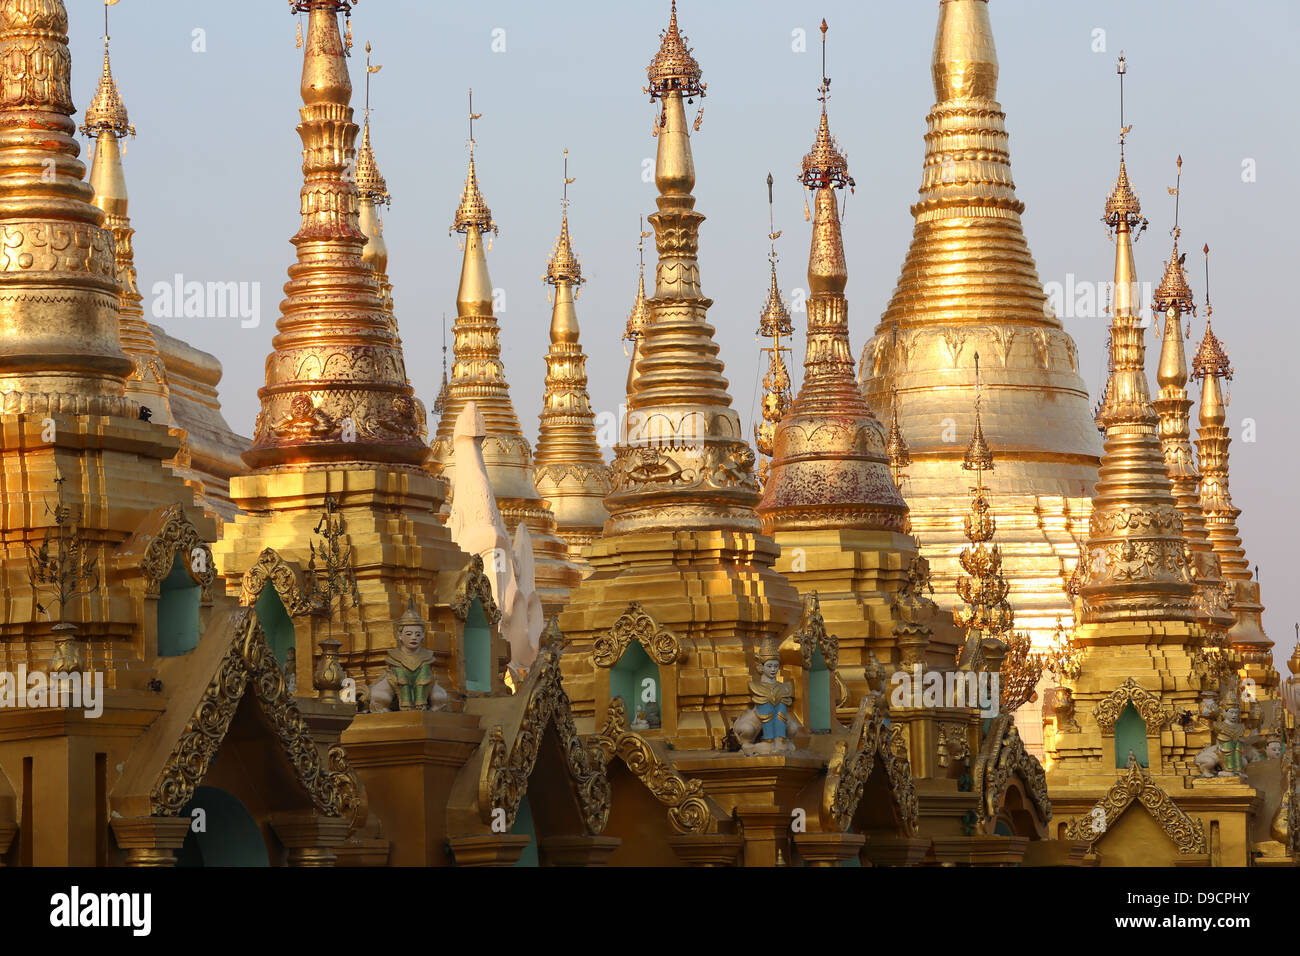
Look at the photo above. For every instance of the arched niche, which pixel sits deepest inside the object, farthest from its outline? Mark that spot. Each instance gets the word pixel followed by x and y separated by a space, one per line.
pixel 477 642
pixel 635 678
pixel 1131 734
pixel 819 694
pixel 179 597
pixel 276 624
pixel 230 836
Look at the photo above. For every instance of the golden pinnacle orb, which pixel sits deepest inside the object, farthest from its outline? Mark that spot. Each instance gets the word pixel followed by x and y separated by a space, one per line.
pixel 336 386
pixel 830 467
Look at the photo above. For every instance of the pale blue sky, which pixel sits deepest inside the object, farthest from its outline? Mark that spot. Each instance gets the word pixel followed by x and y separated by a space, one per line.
pixel 215 172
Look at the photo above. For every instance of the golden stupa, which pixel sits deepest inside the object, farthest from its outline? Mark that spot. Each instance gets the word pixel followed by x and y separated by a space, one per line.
pixel 738 665
pixel 969 284
pixel 569 468
pixel 478 375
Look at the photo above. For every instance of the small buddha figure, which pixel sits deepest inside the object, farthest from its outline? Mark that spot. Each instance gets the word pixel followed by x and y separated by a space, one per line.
pixel 408 683
pixel 303 420
pixel 652 715
pixel 291 670
pixel 640 723
pixel 769 725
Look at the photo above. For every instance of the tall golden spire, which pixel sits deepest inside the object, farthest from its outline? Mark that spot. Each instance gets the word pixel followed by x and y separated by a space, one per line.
pixel 59 343
pixel 1173 297
pixel 1211 366
pixel 683 464
pixel 478 375
pixel 829 466
pixel 336 386
pixel 774 324
pixel 900 453
pixel 106 122
pixel 1136 561
pixel 571 472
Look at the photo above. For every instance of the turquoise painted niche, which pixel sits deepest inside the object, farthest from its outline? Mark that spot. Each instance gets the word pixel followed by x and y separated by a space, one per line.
pixel 276 624
pixel 635 678
pixel 819 694
pixel 524 827
pixel 231 836
pixel 1130 734
pixel 178 611
pixel 478 648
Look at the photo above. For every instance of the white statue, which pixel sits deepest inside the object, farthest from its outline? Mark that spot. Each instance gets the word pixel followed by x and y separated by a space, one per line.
pixel 475 521
pixel 521 613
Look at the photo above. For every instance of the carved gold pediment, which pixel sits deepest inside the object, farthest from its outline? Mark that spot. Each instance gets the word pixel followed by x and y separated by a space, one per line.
pixel 474 583
pixel 1188 835
pixel 810 634
pixel 871 740
pixel 250 665
pixel 689 809
pixel 1002 756
pixel 1147 705
pixel 284 576
pixel 636 624
pixel 152 548
pixel 503 780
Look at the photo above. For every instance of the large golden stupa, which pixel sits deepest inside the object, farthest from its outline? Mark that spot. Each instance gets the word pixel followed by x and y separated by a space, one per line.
pixel 969 284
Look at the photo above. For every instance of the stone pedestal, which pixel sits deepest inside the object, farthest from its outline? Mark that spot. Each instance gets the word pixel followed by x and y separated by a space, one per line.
pixel 887 850
pixel 407 761
pixel 310 839
pixel 490 849
pixel 151 841
pixel 828 849
pixel 578 850
pixel 708 849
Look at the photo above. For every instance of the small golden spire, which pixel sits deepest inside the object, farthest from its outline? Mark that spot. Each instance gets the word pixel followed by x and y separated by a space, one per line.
pixel 571 472
pixel 370 184
pixel 774 323
pixel 673 68
pixel 564 266
pixel 473 210
pixel 1212 367
pixel 983 588
pixel 900 455
pixel 440 403
pixel 639 317
pixel 106 112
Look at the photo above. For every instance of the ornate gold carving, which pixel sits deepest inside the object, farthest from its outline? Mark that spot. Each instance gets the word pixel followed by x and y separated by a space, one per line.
pixel 1003 755
pixel 688 807
pixel 474 583
pixel 1187 834
pixel 177 534
pixel 811 633
pixel 636 624
pixel 249 663
pixel 870 741
pixel 273 569
pixel 1147 705
pixel 504 779
pixel 56 247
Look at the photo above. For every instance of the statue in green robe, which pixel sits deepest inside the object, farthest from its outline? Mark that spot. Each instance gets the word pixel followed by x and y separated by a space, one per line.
pixel 408 682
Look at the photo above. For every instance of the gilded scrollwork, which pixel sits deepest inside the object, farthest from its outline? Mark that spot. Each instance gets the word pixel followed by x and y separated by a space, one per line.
pixel 271 568
pixel 1147 705
pixel 1002 756
pixel 810 634
pixel 871 741
pixel 688 807
pixel 57 247
pixel 474 583
pixel 1188 835
pixel 177 534
pixel 636 624
pixel 507 769
pixel 248 664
